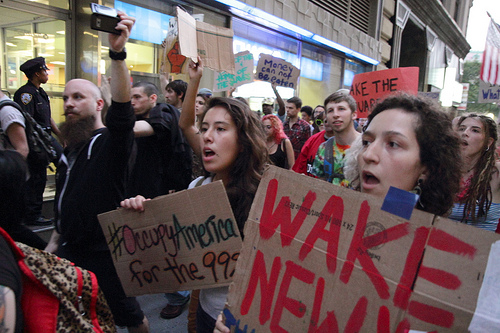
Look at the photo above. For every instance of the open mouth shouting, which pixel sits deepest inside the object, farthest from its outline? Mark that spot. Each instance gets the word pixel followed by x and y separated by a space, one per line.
pixel 369 181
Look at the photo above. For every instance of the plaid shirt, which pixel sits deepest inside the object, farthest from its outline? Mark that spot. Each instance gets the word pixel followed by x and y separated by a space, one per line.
pixel 298 134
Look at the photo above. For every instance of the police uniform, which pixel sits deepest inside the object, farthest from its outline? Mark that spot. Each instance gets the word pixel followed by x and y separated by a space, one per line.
pixel 35 101
pixel 32 100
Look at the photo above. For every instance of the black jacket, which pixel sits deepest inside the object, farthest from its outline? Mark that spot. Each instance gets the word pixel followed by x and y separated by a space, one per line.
pixel 95 182
pixel 164 160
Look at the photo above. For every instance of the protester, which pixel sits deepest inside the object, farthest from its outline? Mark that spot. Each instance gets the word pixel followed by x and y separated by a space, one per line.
pixel 305 161
pixel 13 171
pixel 318 119
pixel 12 125
pixel 329 161
pixel 163 162
pixel 278 146
pixel 201 98
pixel 175 92
pixel 408 143
pixel 296 129
pixel 91 176
pixel 478 200
pixel 231 143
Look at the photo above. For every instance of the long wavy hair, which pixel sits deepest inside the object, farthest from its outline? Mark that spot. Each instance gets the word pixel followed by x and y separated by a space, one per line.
pixel 479 192
pixel 277 126
pixel 439 148
pixel 248 167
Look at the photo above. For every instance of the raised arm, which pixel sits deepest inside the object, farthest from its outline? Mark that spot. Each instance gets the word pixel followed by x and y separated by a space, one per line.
pixel 281 103
pixel 120 82
pixel 187 120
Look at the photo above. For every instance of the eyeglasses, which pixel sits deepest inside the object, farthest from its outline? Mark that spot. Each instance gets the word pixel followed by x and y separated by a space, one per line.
pixel 319 122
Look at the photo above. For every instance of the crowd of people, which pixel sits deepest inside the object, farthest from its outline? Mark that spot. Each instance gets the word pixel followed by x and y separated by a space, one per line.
pixel 144 149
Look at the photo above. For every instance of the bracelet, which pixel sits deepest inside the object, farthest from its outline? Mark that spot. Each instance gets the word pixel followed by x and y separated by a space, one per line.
pixel 118 55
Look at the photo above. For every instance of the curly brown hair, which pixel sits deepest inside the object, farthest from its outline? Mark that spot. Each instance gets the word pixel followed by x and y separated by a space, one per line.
pixel 248 167
pixel 479 192
pixel 439 149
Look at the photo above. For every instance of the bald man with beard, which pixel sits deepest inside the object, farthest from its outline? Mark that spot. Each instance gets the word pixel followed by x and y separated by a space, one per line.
pixel 91 177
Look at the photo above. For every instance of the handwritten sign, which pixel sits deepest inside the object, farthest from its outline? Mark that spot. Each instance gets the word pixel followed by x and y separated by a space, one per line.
pixel 182 241
pixel 243 64
pixel 488 93
pixel 321 258
pixel 369 87
pixel 276 70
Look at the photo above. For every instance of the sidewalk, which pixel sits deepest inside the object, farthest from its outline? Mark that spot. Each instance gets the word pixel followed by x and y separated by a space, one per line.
pixel 152 305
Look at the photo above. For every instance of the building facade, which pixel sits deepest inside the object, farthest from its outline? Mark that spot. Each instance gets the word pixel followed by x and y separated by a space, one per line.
pixel 330 41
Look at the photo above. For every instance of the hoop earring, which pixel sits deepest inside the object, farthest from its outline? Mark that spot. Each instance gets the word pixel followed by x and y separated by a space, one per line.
pixel 418 189
pixel 487 148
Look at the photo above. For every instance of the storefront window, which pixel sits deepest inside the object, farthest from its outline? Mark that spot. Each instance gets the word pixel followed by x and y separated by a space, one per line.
pixel 45 39
pixel 258 40
pixel 320 74
pixel 64 4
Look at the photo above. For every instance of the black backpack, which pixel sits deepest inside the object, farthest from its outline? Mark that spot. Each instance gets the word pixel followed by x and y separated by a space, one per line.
pixel 39 142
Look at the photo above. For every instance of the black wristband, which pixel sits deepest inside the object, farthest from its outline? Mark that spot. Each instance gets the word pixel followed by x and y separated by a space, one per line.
pixel 118 55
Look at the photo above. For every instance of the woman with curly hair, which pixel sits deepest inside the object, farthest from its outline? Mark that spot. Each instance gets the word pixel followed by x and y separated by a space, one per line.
pixel 278 145
pixel 408 143
pixel 478 200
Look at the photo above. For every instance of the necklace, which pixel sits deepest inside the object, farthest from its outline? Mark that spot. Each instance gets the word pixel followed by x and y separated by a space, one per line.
pixel 269 147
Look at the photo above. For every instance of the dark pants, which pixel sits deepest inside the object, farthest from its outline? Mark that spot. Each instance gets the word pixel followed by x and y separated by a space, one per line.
pixel 204 323
pixel 126 310
pixel 35 186
pixel 34 191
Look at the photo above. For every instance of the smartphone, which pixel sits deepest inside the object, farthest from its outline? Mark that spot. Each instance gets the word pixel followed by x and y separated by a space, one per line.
pixel 104 18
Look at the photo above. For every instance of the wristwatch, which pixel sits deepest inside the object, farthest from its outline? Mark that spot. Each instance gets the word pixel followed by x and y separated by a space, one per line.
pixel 118 55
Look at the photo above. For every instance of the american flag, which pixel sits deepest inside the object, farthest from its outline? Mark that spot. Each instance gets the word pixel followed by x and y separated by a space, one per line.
pixel 490 69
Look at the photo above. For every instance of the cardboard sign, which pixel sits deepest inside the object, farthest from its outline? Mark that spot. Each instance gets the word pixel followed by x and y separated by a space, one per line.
pixel 243 63
pixel 213 44
pixel 276 70
pixel 488 93
pixel 369 87
pixel 321 258
pixel 182 241
pixel 172 60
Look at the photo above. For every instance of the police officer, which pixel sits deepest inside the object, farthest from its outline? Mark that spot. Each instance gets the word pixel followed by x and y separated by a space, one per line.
pixel 34 100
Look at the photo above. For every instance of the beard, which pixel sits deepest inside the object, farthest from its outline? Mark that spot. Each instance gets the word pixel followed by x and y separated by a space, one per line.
pixel 77 131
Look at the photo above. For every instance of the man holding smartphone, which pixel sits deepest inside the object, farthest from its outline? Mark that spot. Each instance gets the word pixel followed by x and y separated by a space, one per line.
pixel 91 176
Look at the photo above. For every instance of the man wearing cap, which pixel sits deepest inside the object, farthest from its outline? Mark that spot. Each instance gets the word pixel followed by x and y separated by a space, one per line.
pixel 34 100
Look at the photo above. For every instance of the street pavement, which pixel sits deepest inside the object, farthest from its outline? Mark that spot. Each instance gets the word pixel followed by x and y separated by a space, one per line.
pixel 152 305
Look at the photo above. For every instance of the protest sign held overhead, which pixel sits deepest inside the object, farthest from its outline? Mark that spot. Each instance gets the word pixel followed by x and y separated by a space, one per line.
pixel 488 93
pixel 277 70
pixel 321 258
pixel 369 87
pixel 191 38
pixel 182 241
pixel 243 63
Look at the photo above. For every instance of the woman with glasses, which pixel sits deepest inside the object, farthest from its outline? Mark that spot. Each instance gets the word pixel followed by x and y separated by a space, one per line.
pixel 278 145
pixel 318 119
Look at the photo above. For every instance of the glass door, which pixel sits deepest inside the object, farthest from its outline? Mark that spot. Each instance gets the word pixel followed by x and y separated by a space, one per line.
pixel 27 37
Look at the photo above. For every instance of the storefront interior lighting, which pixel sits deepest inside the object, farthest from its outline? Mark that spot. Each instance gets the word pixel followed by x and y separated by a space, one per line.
pixel 238 7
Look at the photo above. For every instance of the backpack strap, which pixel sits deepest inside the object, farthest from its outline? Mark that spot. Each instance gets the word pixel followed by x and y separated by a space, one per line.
pixel 329 158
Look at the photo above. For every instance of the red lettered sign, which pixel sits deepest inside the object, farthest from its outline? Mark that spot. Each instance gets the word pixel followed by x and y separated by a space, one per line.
pixel 368 88
pixel 321 258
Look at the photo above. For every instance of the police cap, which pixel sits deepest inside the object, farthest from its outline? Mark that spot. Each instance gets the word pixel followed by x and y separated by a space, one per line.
pixel 33 65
